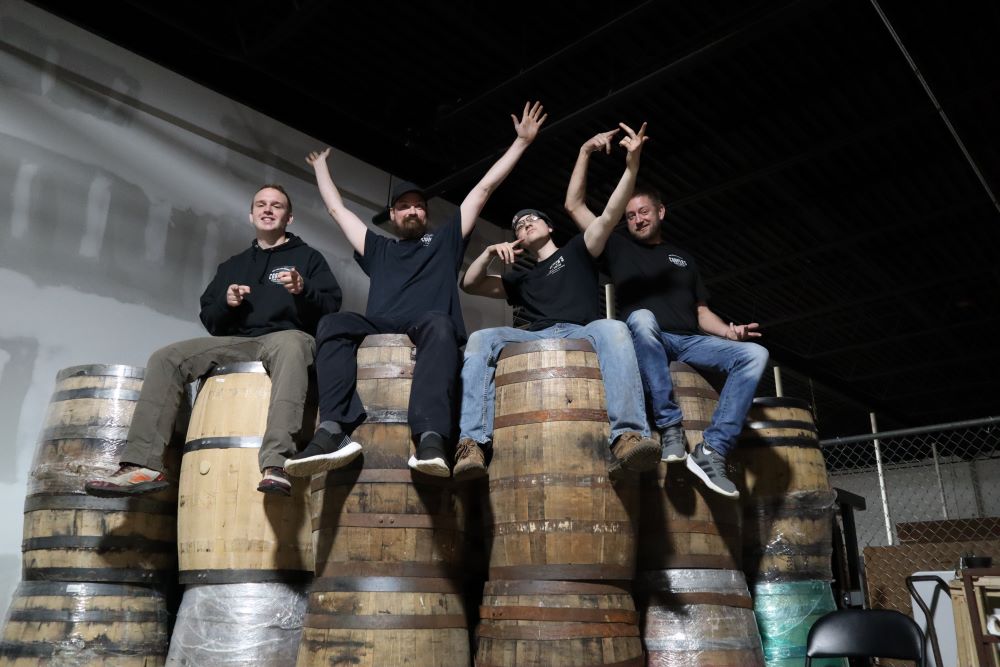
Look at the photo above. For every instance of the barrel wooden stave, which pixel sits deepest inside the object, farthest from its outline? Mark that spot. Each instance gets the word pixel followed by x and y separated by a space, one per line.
pixel 389 541
pixel 384 627
pixel 696 398
pixel 228 532
pixel 785 493
pixel 69 535
pixel 698 618
pixel 557 624
pixel 554 511
pixel 683 524
pixel 108 625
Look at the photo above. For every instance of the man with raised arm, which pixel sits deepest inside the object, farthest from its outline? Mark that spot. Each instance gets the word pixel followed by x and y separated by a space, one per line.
pixel 560 294
pixel 413 291
pixel 660 291
pixel 263 305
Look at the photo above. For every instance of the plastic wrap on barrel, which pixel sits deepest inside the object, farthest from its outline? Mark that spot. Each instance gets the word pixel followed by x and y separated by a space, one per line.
pixel 238 624
pixel 681 641
pixel 68 624
pixel 795 526
pixel 785 613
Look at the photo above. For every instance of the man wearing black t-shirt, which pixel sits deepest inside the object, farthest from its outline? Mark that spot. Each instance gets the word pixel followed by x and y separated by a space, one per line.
pixel 560 295
pixel 413 291
pixel 661 293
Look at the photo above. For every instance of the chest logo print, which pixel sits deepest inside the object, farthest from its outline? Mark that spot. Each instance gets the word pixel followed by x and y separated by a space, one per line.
pixel 426 239
pixel 273 276
pixel 556 267
pixel 677 260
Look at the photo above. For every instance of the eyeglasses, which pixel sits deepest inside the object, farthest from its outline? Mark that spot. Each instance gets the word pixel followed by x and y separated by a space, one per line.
pixel 520 224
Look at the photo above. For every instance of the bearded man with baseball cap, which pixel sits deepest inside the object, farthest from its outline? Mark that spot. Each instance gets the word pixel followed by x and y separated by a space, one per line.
pixel 413 291
pixel 560 295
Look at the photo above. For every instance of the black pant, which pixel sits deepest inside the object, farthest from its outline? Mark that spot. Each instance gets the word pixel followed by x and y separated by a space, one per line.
pixel 435 373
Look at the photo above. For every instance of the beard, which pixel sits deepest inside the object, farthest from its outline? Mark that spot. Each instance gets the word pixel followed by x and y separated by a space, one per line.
pixel 411 227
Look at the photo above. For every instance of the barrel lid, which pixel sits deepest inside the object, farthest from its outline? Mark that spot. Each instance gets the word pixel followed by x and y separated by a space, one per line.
pixel 113 370
pixel 545 345
pixel 387 340
pixel 781 402
pixel 237 367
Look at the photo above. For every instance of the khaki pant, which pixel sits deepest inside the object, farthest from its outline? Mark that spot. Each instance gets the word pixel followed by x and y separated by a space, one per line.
pixel 286 355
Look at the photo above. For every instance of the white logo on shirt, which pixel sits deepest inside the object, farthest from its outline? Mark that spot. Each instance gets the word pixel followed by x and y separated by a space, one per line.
pixel 273 276
pixel 677 260
pixel 556 267
pixel 426 239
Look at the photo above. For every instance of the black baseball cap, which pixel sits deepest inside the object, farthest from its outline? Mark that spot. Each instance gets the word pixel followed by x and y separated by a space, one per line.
pixel 400 188
pixel 530 211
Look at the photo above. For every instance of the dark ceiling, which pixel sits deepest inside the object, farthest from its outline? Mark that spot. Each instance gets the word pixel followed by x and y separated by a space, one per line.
pixel 802 158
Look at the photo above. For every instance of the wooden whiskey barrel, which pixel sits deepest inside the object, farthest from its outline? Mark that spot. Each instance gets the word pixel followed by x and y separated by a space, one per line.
pixel 389 541
pixel 228 532
pixel 555 513
pixel 682 523
pixel 785 493
pixel 70 536
pixel 558 623
pixel 698 618
pixel 70 623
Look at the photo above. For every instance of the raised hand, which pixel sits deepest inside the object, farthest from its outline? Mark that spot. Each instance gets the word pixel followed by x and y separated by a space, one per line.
pixel 600 142
pixel 235 294
pixel 633 141
pixel 292 281
pixel 531 120
pixel 317 155
pixel 507 252
pixel 742 332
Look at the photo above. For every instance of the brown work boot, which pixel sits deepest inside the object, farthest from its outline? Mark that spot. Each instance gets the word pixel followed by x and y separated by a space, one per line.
pixel 470 462
pixel 129 480
pixel 634 453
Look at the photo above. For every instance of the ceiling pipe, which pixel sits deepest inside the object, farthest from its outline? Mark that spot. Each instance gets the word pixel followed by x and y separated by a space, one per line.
pixel 937 106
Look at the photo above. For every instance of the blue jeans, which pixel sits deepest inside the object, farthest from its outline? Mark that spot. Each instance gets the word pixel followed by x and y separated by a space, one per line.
pixel 611 340
pixel 743 363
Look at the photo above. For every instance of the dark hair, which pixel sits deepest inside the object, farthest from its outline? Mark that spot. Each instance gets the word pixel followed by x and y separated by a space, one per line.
pixel 273 186
pixel 645 191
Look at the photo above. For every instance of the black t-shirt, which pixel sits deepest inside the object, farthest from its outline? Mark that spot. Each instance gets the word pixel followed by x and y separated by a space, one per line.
pixel 661 278
pixel 414 276
pixel 563 288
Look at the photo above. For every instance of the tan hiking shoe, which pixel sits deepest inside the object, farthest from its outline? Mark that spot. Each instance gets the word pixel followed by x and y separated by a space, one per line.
pixel 634 453
pixel 129 480
pixel 470 462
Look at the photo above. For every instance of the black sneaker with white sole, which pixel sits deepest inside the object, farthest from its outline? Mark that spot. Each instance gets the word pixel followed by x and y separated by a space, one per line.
pixel 710 467
pixel 431 459
pixel 326 451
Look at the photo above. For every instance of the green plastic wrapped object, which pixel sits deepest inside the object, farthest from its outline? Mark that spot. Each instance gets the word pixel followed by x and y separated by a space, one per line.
pixel 785 612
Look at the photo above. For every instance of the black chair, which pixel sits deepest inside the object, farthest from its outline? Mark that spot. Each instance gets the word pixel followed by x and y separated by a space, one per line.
pixel 865 633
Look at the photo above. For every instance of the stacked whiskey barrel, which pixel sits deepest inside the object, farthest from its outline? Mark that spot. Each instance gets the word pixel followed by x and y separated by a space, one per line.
pixel 389 541
pixel 245 557
pixel 562 538
pixel 696 605
pixel 92 567
pixel 788 513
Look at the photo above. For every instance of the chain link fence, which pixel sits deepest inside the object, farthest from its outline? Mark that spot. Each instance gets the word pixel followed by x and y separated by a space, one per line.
pixel 932 493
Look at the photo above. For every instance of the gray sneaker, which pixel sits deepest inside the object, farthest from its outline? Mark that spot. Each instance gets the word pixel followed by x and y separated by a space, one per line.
pixel 710 467
pixel 673 446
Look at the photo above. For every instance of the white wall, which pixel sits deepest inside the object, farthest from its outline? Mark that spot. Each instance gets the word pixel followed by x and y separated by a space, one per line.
pixel 122 187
